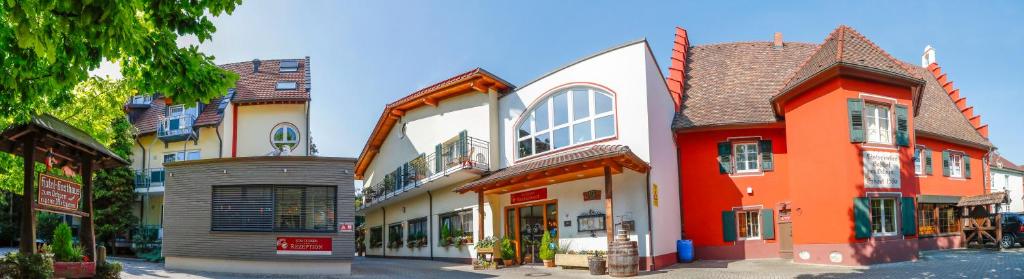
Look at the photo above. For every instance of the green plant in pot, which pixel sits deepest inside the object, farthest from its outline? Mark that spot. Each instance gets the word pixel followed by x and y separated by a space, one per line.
pixel 547 250
pixel 508 251
pixel 68 259
pixel 446 236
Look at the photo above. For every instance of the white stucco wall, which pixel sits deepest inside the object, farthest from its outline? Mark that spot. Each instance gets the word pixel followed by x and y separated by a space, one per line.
pixel 1011 182
pixel 664 161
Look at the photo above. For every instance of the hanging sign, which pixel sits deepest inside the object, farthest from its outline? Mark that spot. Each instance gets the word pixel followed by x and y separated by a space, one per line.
pixel 58 194
pixel 881 169
pixel 304 246
pixel 592 195
pixel 531 195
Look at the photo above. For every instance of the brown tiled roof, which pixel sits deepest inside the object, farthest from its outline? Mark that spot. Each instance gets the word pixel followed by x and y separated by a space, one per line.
pixel 985 199
pixel 733 83
pixel 939 116
pixel 1002 162
pixel 554 161
pixel 148 121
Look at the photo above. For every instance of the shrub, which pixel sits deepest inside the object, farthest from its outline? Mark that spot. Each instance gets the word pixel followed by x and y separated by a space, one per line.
pixel 62 248
pixel 108 270
pixel 547 253
pixel 508 251
pixel 17 265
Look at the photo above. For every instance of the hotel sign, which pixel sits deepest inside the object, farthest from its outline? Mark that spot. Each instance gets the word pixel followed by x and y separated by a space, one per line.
pixel 881 169
pixel 531 195
pixel 304 246
pixel 59 194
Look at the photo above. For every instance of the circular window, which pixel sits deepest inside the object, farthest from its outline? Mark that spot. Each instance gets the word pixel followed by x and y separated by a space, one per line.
pixel 284 134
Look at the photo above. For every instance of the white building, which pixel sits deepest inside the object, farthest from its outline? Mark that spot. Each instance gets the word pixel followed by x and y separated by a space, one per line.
pixel 1008 177
pixel 589 142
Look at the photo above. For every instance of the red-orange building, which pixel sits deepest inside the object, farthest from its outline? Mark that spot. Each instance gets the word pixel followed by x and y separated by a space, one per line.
pixel 831 153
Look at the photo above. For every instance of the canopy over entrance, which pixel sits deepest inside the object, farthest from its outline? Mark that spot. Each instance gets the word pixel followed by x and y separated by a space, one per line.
pixel 571 165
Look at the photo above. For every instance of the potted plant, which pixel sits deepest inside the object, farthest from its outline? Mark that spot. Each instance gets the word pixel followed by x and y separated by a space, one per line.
pixel 597 263
pixel 485 245
pixel 547 250
pixel 68 261
pixel 446 236
pixel 458 238
pixel 508 252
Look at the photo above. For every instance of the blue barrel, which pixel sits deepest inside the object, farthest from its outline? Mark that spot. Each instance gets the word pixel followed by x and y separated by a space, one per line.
pixel 684 248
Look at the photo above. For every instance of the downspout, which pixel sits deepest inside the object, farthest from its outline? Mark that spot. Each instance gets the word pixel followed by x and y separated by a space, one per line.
pixel 650 226
pixel 142 201
pixel 679 175
pixel 986 172
pixel 234 130
pixel 430 223
pixel 309 136
pixel 383 225
pixel 220 143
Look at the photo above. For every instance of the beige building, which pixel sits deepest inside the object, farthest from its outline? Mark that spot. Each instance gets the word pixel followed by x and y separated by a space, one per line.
pixel 265 114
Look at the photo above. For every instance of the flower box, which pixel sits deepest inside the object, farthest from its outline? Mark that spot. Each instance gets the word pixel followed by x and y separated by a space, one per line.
pixel 485 250
pixel 572 260
pixel 74 269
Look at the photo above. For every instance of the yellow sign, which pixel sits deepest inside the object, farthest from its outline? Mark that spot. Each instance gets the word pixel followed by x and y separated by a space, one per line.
pixel 654 192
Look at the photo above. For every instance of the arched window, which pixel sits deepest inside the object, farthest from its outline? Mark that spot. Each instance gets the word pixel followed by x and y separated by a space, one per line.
pixel 284 134
pixel 566 118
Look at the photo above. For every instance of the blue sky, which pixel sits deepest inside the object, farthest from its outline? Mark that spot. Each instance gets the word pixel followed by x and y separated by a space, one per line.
pixel 366 54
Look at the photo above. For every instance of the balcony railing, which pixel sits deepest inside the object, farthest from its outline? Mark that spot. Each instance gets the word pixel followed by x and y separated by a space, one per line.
pixel 140 101
pixel 464 153
pixel 177 128
pixel 149 178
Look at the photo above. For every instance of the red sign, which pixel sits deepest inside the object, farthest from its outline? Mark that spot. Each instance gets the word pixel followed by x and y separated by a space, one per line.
pixel 592 195
pixel 59 193
pixel 346 227
pixel 304 246
pixel 531 195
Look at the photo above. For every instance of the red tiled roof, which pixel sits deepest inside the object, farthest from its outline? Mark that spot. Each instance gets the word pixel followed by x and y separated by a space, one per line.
pixel 1002 162
pixel 555 161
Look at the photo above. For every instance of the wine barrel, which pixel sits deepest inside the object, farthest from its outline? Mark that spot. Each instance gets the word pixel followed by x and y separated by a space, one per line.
pixel 623 259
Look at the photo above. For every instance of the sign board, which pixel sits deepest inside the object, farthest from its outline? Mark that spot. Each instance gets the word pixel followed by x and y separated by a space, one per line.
pixel 59 194
pixel 346 227
pixel 531 195
pixel 881 169
pixel 654 194
pixel 304 246
pixel 592 195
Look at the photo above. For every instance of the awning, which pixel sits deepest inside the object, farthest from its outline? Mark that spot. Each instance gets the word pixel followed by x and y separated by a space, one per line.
pixel 565 166
pixel 937 199
pixel 986 199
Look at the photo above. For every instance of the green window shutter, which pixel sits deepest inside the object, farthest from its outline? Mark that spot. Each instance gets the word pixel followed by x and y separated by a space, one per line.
pixel 767 223
pixel 724 157
pixel 909 227
pixel 862 217
pixel 945 163
pixel 438 168
pixel 927 161
pixel 728 226
pixel 767 162
pixel 463 144
pixel 855 110
pixel 902 126
pixel 967 166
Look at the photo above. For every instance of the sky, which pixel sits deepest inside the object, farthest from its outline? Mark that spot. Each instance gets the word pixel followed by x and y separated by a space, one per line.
pixel 365 54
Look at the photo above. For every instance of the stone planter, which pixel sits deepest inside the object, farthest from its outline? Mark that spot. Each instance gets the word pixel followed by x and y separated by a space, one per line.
pixel 74 269
pixel 572 260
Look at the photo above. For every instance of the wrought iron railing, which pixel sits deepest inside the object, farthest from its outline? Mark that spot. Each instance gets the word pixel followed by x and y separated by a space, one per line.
pixel 464 153
pixel 146 178
pixel 179 126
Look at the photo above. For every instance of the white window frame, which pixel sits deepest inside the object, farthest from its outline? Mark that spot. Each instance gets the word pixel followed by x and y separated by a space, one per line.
pixel 736 155
pixel 956 164
pixel 919 155
pixel 292 85
pixel 295 143
pixel 755 226
pixel 873 123
pixel 547 102
pixel 183 155
pixel 884 219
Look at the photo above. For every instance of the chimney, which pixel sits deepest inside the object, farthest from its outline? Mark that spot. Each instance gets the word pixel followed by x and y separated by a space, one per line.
pixel 255 66
pixel 677 70
pixel 928 57
pixel 777 41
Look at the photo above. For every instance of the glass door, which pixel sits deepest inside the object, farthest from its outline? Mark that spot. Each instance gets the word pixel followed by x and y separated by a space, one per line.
pixel 531 222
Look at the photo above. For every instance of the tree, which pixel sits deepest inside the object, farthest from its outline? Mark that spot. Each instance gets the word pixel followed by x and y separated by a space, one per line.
pixel 114 190
pixel 47 47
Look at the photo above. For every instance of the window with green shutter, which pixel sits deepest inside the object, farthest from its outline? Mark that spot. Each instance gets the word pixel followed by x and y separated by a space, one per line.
pixel 767 223
pixel 945 163
pixel 862 217
pixel 728 226
pixel 909 227
pixel 725 157
pixel 855 110
pixel 767 158
pixel 967 166
pixel 927 161
pixel 902 126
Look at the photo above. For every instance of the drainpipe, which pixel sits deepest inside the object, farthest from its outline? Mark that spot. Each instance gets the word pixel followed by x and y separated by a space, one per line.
pixel 142 202
pixel 383 225
pixel 220 143
pixel 986 172
pixel 650 226
pixel 682 223
pixel 430 223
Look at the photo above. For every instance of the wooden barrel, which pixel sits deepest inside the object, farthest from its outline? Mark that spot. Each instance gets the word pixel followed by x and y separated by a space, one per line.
pixel 623 259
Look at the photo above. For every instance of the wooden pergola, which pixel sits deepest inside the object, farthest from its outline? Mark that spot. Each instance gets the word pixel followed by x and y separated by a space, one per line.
pixel 978 218
pixel 48 140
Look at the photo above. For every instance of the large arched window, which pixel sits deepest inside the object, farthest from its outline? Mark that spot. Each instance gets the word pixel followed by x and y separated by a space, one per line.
pixel 566 118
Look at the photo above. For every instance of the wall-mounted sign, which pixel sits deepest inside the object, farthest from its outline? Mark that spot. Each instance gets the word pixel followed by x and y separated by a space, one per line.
pixel 881 169
pixel 346 227
pixel 531 195
pixel 304 246
pixel 59 194
pixel 590 222
pixel 654 194
pixel 592 195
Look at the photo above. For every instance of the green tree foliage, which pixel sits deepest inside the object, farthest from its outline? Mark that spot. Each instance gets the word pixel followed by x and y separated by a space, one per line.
pixel 47 47
pixel 115 190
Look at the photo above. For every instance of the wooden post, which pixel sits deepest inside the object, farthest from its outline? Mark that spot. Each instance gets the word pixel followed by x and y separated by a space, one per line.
pixel 28 215
pixel 86 233
pixel 609 217
pixel 480 207
pixel 999 231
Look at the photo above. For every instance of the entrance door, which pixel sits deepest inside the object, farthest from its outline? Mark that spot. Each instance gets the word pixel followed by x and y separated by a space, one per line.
pixel 786 240
pixel 531 220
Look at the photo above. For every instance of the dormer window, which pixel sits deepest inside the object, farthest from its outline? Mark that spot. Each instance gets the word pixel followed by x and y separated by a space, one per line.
pixel 227 99
pixel 287 85
pixel 289 66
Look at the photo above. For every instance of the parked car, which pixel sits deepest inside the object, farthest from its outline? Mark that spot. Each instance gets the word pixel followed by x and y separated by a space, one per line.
pixel 1013 230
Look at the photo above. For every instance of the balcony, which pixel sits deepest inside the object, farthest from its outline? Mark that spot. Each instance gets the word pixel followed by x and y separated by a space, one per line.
pixel 149 181
pixel 177 128
pixel 457 161
pixel 142 102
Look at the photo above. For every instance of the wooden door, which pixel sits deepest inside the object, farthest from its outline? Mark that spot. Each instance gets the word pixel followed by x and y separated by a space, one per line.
pixel 786 240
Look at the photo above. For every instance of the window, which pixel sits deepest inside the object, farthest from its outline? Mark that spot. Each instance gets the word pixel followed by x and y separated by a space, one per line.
pixel 181 156
pixel 936 219
pixel 288 66
pixel 284 134
pixel 746 157
pixel 274 208
pixel 395 238
pixel 919 154
pixel 956 163
pixel 418 232
pixel 878 122
pixel 570 117
pixel 225 100
pixel 376 237
pixel 142 100
pixel 748 224
pixel 883 216
pixel 456 226
pixel 287 85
